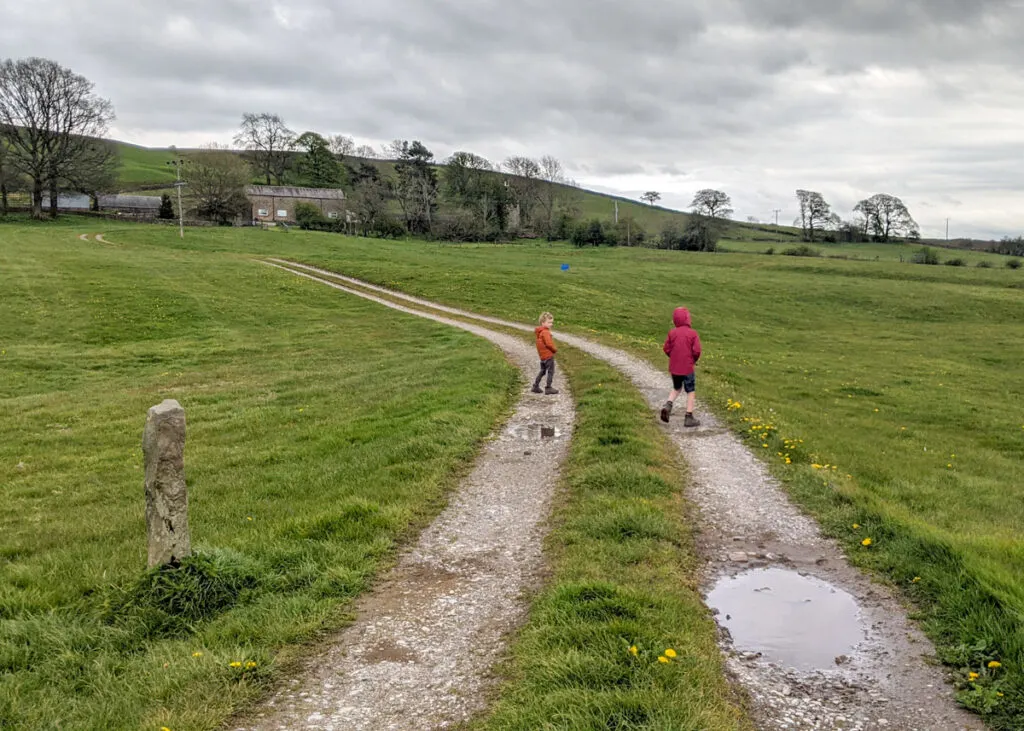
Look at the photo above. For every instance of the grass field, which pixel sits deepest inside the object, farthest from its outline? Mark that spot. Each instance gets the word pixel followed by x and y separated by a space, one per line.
pixel 316 443
pixel 885 370
pixel 143 166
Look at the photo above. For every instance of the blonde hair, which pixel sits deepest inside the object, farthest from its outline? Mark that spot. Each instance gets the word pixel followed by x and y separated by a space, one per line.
pixel 546 317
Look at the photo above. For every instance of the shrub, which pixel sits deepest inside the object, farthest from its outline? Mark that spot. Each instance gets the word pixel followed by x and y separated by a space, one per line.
pixel 984 265
pixel 308 216
pixel 166 207
pixel 801 250
pixel 591 233
pixel 925 255
pixel 1014 264
pixel 769 251
pixel 957 262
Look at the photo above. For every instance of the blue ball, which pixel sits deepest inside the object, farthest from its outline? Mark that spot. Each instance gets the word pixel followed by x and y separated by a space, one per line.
pixel 565 267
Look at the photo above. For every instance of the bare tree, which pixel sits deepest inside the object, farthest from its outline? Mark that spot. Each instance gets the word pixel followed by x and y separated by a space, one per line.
pixel 815 214
pixel 216 181
pixel 50 120
pixel 365 151
pixel 7 178
pixel 269 143
pixel 341 145
pixel 651 197
pixel 886 216
pixel 393 150
pixel 753 219
pixel 712 203
pixel 525 185
pixel 553 192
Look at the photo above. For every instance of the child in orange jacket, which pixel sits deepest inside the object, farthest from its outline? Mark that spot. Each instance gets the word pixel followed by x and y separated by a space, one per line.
pixel 546 350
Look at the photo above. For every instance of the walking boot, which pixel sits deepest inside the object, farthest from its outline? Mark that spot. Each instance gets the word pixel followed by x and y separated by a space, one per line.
pixel 690 421
pixel 666 411
pixel 551 391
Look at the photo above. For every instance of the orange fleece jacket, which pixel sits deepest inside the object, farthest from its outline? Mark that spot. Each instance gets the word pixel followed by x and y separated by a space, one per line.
pixel 545 345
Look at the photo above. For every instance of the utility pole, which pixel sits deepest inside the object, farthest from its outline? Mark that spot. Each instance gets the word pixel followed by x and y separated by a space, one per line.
pixel 777 211
pixel 181 212
pixel 616 211
pixel 947 230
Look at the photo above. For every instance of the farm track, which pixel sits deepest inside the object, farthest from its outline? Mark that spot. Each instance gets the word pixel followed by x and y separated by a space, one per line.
pixel 424 641
pixel 889 681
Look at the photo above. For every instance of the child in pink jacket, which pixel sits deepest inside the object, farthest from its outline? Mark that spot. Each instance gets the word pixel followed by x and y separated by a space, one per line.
pixel 682 346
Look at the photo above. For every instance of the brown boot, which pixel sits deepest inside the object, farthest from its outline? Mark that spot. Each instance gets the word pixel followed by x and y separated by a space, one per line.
pixel 666 411
pixel 551 391
pixel 690 421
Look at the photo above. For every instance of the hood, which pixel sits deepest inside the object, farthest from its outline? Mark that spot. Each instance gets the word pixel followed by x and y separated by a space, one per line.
pixel 681 317
pixel 536 330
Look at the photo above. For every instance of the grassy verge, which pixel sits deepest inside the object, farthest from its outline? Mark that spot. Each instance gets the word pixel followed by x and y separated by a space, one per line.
pixel 621 593
pixel 323 431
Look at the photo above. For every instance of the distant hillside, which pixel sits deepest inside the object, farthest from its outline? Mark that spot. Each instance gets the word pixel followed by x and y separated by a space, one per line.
pixel 146 170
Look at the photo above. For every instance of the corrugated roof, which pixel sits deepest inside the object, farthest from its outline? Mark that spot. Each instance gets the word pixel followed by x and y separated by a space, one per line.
pixel 292 191
pixel 129 201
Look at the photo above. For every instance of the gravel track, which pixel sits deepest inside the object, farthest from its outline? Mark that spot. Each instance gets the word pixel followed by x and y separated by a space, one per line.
pixel 421 651
pixel 889 680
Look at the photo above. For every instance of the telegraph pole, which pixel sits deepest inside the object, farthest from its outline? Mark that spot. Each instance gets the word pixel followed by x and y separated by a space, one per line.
pixel 947 230
pixel 777 211
pixel 181 212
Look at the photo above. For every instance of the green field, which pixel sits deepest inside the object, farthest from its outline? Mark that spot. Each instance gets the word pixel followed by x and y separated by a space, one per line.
pixel 316 444
pixel 143 167
pixel 885 370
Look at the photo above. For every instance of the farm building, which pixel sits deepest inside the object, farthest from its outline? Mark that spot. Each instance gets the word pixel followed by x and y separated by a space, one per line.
pixel 272 203
pixel 139 206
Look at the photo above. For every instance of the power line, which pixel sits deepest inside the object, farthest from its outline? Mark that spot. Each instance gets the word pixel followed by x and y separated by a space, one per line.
pixel 776 211
pixel 181 213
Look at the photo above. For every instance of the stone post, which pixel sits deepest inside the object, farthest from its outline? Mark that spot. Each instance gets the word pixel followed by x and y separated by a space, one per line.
pixel 163 448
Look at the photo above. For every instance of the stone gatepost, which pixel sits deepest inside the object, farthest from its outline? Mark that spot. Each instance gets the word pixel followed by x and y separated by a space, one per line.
pixel 163 448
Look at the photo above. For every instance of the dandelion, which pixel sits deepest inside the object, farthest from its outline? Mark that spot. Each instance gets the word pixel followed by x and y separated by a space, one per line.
pixel 663 659
pixel 197 654
pixel 995 664
pixel 949 466
pixel 816 466
pixel 164 728
pixel 248 517
pixel 250 665
pixel 876 411
pixel 235 664
pixel 866 542
pixel 972 676
pixel 856 526
pixel 672 653
pixel 916 580
pixel 633 651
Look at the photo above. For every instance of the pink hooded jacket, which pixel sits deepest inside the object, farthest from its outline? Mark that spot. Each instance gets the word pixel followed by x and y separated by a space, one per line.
pixel 682 346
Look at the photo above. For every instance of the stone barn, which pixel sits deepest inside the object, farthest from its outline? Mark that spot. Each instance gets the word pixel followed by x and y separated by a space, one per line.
pixel 273 203
pixel 137 206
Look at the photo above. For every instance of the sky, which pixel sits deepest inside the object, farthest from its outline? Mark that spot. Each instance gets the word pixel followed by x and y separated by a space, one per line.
pixel 922 99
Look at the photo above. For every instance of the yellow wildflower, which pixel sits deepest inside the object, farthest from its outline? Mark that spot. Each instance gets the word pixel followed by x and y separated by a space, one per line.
pixel 250 665
pixel 866 542
pixel 672 653
pixel 164 728
pixel 972 676
pixel 995 664
pixel 916 580
pixel 663 659
pixel 236 664
pixel 197 654
pixel 816 466
pixel 856 526
pixel 633 651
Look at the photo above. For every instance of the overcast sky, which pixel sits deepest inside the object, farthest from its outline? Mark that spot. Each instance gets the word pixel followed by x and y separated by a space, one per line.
pixel 923 99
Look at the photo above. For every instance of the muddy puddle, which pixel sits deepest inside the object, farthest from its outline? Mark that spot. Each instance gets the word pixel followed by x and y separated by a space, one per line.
pixel 792 620
pixel 535 432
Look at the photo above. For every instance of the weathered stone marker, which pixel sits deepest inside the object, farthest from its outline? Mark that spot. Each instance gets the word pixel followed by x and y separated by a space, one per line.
pixel 163 448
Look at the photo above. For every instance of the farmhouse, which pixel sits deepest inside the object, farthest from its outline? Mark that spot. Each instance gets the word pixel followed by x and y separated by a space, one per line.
pixel 277 202
pixel 139 206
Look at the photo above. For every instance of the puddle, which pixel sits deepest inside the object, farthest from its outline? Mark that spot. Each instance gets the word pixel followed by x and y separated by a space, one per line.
pixel 792 620
pixel 535 432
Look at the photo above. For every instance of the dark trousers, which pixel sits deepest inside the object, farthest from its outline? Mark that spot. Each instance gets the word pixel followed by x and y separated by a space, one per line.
pixel 546 366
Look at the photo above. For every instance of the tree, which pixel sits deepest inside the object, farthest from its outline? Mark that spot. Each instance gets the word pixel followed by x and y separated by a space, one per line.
pixel 552 194
pixel 166 208
pixel 269 143
pixel 886 216
pixel 415 186
pixel 216 181
pixel 50 123
pixel 651 196
pixel 318 165
pixel 701 233
pixel 712 203
pixel 525 185
pixel 815 214
pixel 365 151
pixel 97 171
pixel 470 183
pixel 341 145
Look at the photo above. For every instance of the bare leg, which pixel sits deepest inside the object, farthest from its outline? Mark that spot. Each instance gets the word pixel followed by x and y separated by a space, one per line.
pixel 673 396
pixel 691 400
